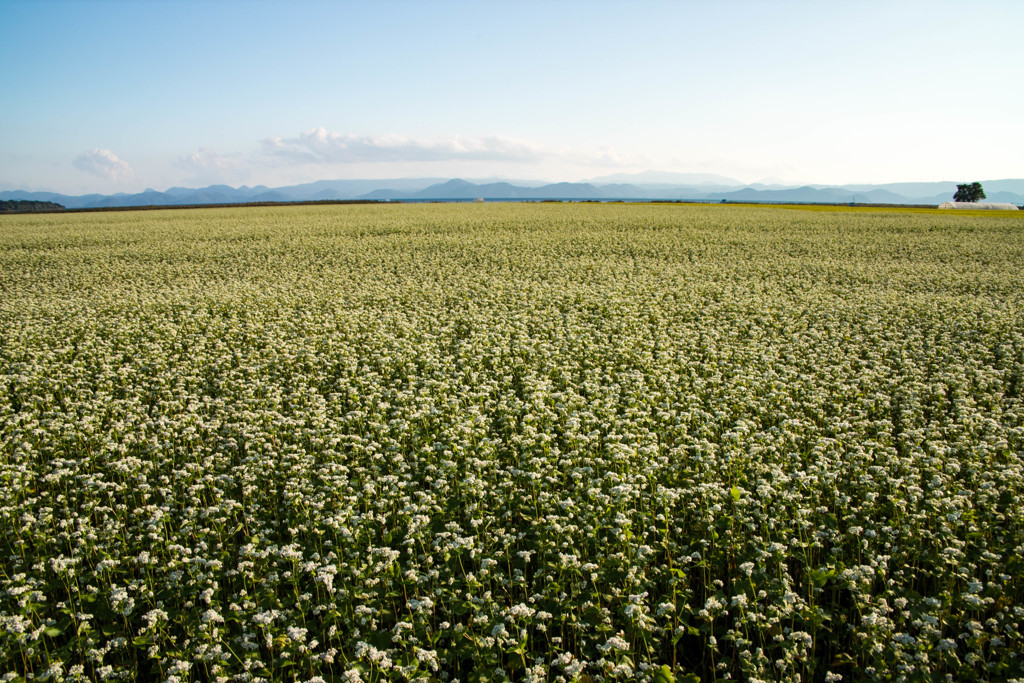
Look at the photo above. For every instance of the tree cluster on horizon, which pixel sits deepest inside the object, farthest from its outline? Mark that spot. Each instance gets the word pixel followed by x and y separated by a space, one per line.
pixel 969 192
pixel 25 205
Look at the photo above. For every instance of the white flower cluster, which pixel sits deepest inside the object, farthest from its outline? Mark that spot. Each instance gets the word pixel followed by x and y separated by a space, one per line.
pixel 516 442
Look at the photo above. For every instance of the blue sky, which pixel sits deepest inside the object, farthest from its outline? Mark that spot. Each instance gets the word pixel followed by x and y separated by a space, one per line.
pixel 120 96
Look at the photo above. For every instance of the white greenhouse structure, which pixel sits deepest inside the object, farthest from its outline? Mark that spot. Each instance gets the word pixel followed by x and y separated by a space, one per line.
pixel 977 205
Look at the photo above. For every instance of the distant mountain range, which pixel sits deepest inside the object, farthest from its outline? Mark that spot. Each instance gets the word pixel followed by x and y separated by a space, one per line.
pixel 648 185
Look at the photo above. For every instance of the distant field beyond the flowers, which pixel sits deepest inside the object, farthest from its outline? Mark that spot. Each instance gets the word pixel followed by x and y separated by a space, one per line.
pixel 543 442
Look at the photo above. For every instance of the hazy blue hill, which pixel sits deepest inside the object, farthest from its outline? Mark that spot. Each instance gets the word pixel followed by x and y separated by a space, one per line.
pixel 352 189
pixel 461 189
pixel 627 191
pixel 180 191
pixel 453 189
pixel 13 195
pixel 175 196
pixel 1014 186
pixel 328 195
pixel 667 178
pixel 707 187
pixel 799 194
pixel 314 190
pixel 1010 197
pixel 829 195
pixel 883 197
pixel 568 191
pixel 665 191
pixel 147 198
pixel 512 181
pixel 777 186
pixel 240 194
pixel 501 191
pixel 944 189
pixel 936 199
pixel 209 196
pixel 67 201
pixel 272 196
pixel 387 194
pixel 907 189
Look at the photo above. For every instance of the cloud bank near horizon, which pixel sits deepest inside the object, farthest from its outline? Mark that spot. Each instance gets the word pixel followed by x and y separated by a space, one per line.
pixel 103 163
pixel 326 147
pixel 319 153
pixel 322 146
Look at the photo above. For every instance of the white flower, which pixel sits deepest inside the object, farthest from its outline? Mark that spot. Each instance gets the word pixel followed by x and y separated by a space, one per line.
pixel 616 642
pixel 211 616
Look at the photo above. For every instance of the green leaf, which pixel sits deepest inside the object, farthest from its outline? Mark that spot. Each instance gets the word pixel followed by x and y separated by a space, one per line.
pixel 821 576
pixel 735 493
pixel 843 659
pixel 464 650
pixel 53 631
pixel 515 662
pixel 663 674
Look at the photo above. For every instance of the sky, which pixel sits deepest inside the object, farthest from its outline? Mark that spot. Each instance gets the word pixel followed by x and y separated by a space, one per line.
pixel 126 95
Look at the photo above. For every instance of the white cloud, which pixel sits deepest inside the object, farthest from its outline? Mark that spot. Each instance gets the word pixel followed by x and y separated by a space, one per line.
pixel 104 164
pixel 206 165
pixel 206 159
pixel 321 146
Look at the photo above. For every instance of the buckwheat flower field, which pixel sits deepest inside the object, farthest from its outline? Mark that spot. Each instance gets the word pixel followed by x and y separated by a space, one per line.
pixel 537 442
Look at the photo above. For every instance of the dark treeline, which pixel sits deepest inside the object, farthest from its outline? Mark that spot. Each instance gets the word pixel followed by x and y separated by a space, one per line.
pixel 229 205
pixel 24 205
